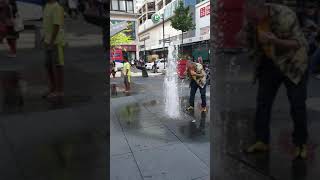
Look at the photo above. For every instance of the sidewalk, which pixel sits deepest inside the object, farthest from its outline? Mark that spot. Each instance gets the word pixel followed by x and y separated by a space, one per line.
pixel 145 144
pixel 235 106
pixel 46 141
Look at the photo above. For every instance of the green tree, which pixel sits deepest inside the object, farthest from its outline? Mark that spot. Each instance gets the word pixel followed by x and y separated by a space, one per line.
pixel 182 20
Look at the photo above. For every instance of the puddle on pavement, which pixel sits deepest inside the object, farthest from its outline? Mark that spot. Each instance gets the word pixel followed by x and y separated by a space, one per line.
pixel 279 162
pixel 151 103
pixel 195 128
pixel 11 97
pixel 129 114
pixel 66 158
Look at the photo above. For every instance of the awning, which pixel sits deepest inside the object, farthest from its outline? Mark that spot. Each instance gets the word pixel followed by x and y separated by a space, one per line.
pixel 160 50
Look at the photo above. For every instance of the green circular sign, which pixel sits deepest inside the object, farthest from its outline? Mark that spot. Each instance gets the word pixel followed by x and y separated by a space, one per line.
pixel 155 18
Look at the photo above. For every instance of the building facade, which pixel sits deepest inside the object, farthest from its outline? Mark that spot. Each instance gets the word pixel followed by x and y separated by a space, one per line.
pixel 150 33
pixel 124 10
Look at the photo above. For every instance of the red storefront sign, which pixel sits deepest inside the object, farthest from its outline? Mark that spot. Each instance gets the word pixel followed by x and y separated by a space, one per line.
pixel 208 10
pixel 204 11
pixel 128 47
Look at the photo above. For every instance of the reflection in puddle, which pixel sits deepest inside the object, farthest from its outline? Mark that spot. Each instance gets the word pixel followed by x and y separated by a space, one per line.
pixel 11 93
pixel 129 114
pixel 195 128
pixel 118 91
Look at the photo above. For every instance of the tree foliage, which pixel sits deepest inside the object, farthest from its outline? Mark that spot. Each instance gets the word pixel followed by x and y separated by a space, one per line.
pixel 119 39
pixel 182 19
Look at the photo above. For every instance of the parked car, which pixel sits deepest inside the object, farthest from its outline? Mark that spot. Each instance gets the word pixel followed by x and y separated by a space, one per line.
pixel 160 65
pixel 119 66
pixel 149 65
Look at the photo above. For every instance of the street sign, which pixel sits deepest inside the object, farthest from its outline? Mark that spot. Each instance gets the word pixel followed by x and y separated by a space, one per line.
pixel 155 18
pixel 116 28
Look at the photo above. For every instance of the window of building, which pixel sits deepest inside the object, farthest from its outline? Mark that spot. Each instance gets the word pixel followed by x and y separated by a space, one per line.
pixel 129 6
pixel 160 5
pixel 122 4
pixel 115 5
pixel 168 1
pixel 151 6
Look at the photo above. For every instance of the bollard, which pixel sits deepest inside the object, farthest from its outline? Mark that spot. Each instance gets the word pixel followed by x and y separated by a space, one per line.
pixel 144 72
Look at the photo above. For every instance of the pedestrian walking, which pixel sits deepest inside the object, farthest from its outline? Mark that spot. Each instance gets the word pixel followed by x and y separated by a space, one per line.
pixel 113 70
pixel 8 15
pixel 273 32
pixel 197 78
pixel 53 27
pixel 127 74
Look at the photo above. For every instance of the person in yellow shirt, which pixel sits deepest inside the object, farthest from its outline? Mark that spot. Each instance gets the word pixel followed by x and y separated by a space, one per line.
pixel 127 74
pixel 53 36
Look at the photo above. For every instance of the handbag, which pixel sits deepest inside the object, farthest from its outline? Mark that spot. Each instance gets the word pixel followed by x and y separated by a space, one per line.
pixel 18 23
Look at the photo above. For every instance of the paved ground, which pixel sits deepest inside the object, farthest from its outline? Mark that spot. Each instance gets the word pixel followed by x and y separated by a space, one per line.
pixel 55 140
pixel 232 130
pixel 145 144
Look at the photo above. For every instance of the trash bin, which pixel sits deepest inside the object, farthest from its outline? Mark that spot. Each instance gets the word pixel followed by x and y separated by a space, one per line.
pixel 144 72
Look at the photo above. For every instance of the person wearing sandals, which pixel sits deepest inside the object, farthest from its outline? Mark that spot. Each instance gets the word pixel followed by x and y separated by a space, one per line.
pixel 279 47
pixel 197 78
pixel 53 27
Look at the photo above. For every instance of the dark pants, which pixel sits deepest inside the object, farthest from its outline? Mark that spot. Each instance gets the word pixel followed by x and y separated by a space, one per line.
pixel 270 79
pixel 194 86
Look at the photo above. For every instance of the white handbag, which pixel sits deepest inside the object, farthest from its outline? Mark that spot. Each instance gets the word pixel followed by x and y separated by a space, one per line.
pixel 18 23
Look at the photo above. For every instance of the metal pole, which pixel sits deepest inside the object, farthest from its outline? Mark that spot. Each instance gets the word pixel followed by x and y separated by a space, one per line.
pixel 144 52
pixel 163 41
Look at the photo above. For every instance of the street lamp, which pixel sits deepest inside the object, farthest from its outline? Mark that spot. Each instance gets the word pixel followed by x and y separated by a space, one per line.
pixel 163 41
pixel 144 50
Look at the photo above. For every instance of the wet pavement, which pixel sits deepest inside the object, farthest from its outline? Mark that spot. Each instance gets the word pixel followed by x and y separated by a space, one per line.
pixel 51 140
pixel 146 144
pixel 233 128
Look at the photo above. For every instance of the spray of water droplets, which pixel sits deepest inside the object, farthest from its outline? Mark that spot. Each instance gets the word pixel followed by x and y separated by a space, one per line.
pixel 171 95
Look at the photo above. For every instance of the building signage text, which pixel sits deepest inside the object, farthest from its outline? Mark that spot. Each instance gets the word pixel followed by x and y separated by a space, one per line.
pixel 204 11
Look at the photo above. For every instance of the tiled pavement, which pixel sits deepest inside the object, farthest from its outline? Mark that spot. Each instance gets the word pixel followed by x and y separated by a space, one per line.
pixel 147 145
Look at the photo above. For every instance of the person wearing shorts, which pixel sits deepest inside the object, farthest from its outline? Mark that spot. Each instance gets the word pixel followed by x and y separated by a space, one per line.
pixel 53 26
pixel 127 74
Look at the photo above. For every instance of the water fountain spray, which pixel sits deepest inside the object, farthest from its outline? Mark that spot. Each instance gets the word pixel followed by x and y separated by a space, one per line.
pixel 171 95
